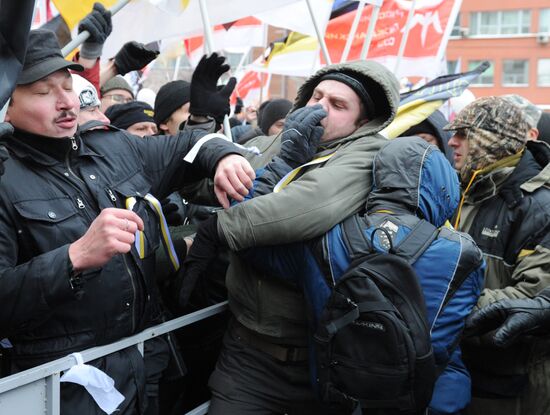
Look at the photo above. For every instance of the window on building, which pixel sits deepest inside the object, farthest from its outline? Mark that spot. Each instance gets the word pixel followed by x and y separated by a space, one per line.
pixel 488 23
pixel 544 21
pixel 456 26
pixel 543 72
pixel 509 22
pixel 486 78
pixel 515 72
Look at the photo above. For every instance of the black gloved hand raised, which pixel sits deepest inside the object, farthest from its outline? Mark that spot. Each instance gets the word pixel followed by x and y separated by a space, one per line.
pixel 206 99
pixel 133 56
pixel 301 135
pixel 5 129
pixel 98 24
pixel 204 250
pixel 512 318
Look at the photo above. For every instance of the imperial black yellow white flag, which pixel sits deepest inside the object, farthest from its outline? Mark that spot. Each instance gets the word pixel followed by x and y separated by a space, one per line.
pixel 417 105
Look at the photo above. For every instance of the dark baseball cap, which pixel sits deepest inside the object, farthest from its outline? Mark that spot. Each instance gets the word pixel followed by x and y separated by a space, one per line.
pixel 43 57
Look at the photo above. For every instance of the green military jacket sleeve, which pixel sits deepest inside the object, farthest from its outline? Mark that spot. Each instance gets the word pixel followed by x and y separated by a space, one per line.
pixel 321 197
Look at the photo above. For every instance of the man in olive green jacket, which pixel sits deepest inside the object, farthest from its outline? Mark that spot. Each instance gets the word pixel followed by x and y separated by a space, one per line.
pixel 263 366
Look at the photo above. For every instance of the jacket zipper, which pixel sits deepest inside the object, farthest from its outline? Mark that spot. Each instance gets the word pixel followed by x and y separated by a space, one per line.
pixel 79 199
pixel 133 292
pixel 111 195
pixel 128 270
pixel 74 145
pixel 80 203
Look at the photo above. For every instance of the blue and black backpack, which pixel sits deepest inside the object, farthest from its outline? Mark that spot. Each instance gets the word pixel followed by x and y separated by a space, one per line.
pixel 372 342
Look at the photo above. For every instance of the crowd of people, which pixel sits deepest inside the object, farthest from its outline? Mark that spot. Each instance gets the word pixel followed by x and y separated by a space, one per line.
pixel 117 214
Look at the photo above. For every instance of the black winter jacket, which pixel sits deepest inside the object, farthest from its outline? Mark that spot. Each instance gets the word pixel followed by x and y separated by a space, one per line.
pixel 51 192
pixel 508 216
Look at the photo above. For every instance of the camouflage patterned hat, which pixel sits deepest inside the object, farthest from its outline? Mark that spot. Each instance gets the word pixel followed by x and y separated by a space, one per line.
pixel 531 112
pixel 495 129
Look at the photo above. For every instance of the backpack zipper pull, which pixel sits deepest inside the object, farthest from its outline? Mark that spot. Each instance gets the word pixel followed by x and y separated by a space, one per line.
pixel 80 203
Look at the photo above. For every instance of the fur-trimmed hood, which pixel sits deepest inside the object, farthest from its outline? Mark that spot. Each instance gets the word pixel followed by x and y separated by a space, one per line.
pixel 379 82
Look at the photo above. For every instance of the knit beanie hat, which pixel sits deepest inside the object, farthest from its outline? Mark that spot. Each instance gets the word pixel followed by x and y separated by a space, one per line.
pixel 116 82
pixel 373 90
pixel 357 86
pixel 273 111
pixel 170 97
pixel 130 113
pixel 495 129
pixel 420 128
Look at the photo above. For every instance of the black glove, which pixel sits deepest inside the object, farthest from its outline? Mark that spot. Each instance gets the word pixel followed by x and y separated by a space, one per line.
pixel 301 135
pixel 204 250
pixel 172 212
pixel 5 129
pixel 98 24
pixel 133 56
pixel 512 318
pixel 206 99
pixel 199 213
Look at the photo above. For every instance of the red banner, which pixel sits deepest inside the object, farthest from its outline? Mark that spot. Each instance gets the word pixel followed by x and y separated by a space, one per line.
pixel 249 86
pixel 427 30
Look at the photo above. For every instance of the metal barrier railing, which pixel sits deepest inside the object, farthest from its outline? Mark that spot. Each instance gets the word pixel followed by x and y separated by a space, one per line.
pixel 36 390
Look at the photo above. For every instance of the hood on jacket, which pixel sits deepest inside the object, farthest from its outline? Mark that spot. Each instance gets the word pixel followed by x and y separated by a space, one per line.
pixel 434 125
pixel 411 175
pixel 379 82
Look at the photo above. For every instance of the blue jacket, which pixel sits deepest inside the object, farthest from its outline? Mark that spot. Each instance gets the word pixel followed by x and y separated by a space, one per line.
pixel 412 179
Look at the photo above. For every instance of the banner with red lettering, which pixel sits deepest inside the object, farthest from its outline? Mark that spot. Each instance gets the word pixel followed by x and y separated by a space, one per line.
pixel 429 31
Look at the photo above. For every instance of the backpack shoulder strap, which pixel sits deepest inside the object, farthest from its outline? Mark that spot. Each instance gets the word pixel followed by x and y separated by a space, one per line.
pixel 416 242
pixel 355 240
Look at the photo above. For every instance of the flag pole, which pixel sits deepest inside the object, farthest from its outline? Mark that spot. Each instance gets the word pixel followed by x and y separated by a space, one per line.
pixel 176 68
pixel 82 36
pixel 370 31
pixel 404 39
pixel 208 42
pixel 320 37
pixel 353 29
pixel 209 48
pixel 447 34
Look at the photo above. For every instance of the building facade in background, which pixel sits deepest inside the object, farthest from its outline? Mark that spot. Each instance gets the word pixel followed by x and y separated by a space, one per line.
pixel 514 35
